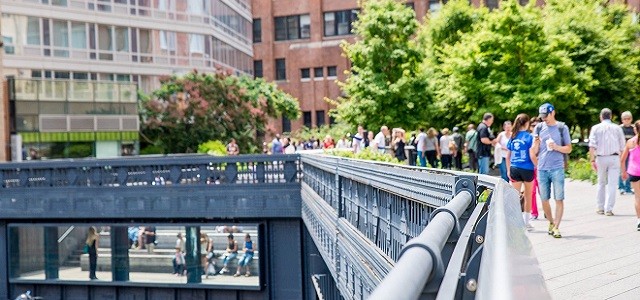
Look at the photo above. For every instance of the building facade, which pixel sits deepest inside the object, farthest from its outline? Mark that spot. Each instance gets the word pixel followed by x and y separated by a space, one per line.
pixel 74 66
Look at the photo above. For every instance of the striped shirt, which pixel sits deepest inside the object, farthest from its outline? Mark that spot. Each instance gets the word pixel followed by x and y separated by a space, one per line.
pixel 606 138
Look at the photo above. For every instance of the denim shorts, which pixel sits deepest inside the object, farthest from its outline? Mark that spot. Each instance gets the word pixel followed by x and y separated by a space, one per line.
pixel 548 177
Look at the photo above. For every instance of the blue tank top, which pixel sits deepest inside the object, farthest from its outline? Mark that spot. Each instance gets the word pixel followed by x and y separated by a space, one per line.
pixel 249 246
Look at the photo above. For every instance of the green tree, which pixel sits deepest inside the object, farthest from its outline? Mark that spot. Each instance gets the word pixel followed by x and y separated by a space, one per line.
pixel 600 40
pixel 385 86
pixel 197 107
pixel 505 67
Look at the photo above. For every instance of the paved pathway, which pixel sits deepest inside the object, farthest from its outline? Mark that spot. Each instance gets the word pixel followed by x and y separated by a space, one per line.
pixel 598 256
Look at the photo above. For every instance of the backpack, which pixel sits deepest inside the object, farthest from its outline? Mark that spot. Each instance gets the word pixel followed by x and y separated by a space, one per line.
pixel 561 126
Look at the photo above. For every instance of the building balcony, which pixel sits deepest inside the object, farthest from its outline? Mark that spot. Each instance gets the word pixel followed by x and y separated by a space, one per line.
pixel 73 91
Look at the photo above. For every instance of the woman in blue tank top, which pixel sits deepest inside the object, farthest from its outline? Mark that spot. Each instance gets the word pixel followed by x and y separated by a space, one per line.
pixel 247 258
pixel 521 161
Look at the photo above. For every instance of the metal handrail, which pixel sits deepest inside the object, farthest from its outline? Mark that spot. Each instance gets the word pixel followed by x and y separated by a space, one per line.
pixel 417 262
pixel 509 268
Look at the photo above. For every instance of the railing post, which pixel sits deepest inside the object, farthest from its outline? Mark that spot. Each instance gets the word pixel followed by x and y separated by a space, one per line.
pixel 4 260
pixel 119 253
pixel 192 255
pixel 51 259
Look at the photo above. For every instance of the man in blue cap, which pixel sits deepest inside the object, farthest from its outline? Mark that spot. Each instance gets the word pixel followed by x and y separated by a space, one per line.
pixel 552 143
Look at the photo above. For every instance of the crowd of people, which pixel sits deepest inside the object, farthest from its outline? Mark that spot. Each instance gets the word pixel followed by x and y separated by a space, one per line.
pixel 531 153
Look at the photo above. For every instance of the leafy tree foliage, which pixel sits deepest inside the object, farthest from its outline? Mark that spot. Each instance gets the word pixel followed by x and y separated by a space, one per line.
pixel 385 85
pixel 197 107
pixel 601 43
pixel 505 66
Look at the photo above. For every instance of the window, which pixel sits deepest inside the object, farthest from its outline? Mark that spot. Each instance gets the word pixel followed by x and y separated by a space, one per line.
pixel 339 22
pixel 281 69
pixel 332 71
pixel 319 118
pixel 195 7
pixel 196 43
pixel 167 40
pixel 491 4
pixel 436 5
pixel 305 73
pixel 78 35
pixel 292 27
pixel 318 72
pixel 60 38
pixel 122 39
pixel 105 42
pixel 286 124
pixel 33 31
pixel 257 30
pixel 306 118
pixel 257 68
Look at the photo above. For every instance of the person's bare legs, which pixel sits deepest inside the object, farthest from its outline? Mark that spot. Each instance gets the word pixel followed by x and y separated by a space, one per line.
pixel 546 207
pixel 636 192
pixel 528 187
pixel 559 212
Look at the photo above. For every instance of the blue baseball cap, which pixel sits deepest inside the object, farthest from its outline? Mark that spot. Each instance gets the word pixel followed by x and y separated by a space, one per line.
pixel 545 110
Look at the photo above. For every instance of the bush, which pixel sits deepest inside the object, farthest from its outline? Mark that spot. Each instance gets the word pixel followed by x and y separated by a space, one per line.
pixel 366 154
pixel 581 170
pixel 216 148
pixel 151 149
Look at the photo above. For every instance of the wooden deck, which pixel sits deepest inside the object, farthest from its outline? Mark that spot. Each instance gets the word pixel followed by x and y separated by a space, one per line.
pixel 598 257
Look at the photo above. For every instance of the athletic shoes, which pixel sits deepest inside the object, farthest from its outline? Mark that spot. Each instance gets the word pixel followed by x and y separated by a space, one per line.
pixel 551 228
pixel 556 233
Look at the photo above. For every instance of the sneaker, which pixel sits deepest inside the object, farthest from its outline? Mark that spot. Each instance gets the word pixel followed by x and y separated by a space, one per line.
pixel 600 211
pixel 556 233
pixel 236 274
pixel 529 227
pixel 608 214
pixel 638 226
pixel 534 217
pixel 551 228
pixel 621 192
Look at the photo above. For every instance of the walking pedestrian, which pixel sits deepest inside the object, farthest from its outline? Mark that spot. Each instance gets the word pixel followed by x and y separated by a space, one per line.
pixel 520 160
pixel 458 139
pixel 632 169
pixel 421 146
pixel 379 142
pixel 486 140
pixel 447 149
pixel 556 143
pixel 606 143
pixel 627 128
pixel 399 144
pixel 432 147
pixel 501 147
pixel 471 147
pixel 536 189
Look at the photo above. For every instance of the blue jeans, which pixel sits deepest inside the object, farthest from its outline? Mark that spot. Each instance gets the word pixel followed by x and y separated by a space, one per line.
pixel 422 159
pixel 246 259
pixel 625 185
pixel 483 165
pixel 548 177
pixel 228 257
pixel 503 170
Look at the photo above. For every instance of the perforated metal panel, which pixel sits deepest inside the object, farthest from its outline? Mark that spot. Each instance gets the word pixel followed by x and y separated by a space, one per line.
pixel 81 123
pixel 53 123
pixel 107 123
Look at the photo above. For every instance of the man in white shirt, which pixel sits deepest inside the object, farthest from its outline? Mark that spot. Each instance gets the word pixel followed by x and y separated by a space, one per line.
pixel 421 147
pixel 379 141
pixel 606 142
pixel 358 140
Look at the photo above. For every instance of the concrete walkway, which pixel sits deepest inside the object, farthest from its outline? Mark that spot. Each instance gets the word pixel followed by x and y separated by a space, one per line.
pixel 598 257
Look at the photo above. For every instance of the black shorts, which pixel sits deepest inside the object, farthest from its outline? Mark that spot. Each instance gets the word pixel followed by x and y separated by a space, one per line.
pixel 521 175
pixel 633 178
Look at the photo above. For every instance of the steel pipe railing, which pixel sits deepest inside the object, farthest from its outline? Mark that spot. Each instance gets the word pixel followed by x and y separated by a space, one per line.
pixel 420 258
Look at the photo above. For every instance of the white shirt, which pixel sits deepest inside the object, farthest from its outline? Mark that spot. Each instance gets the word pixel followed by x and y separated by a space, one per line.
pixel 607 139
pixel 422 141
pixel 358 143
pixel 342 144
pixel 379 140
pixel 290 149
pixel 444 144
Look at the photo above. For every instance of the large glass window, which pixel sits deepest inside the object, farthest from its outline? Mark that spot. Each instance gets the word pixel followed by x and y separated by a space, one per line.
pixel 339 22
pixel 195 7
pixel 168 40
pixel 105 42
pixel 292 27
pixel 281 69
pixel 257 30
pixel 320 118
pixel 33 31
pixel 306 119
pixel 151 253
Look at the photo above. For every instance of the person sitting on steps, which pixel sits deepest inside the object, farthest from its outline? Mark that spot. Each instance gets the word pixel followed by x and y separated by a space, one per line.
pixel 232 253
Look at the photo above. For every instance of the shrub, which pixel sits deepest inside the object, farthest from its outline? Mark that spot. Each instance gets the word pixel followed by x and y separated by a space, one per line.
pixel 216 148
pixel 366 154
pixel 581 170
